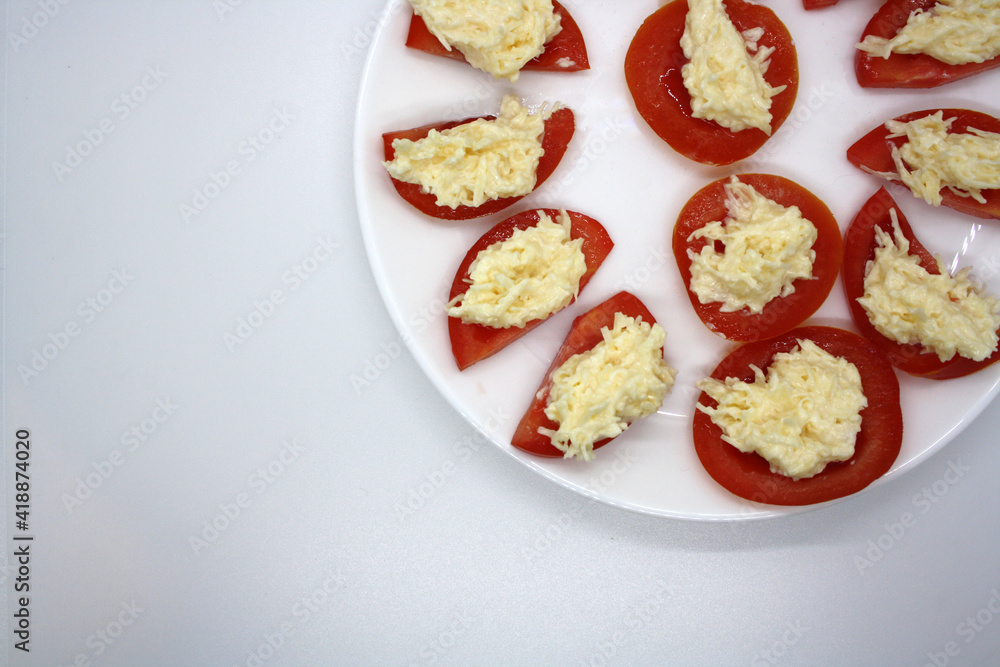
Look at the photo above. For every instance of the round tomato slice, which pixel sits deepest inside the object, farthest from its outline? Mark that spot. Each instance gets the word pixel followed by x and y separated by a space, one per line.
pixel 873 152
pixel 859 249
pixel 583 335
pixel 781 313
pixel 566 52
pixel 558 131
pixel 474 342
pixel 653 73
pixel 748 475
pixel 906 70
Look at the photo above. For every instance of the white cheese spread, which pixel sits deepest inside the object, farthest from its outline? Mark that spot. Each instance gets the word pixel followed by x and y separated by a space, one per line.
pixel 528 276
pixel 597 394
pixel 766 248
pixel 955 32
pixel 475 162
pixel 726 83
pixel 804 414
pixel 945 315
pixel 933 158
pixel 496 36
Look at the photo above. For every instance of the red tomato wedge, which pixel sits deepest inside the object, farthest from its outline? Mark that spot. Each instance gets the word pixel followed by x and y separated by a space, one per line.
pixel 873 152
pixel 904 70
pixel 583 335
pixel 748 475
pixel 559 130
pixel 566 47
pixel 818 4
pixel 474 342
pixel 653 73
pixel 859 248
pixel 781 313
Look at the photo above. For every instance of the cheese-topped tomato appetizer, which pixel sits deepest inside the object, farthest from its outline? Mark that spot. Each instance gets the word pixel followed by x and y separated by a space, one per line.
pixel 476 167
pixel 501 37
pixel 927 43
pixel 758 254
pixel 609 372
pixel 944 156
pixel 808 416
pixel 517 274
pixel 713 79
pixel 928 323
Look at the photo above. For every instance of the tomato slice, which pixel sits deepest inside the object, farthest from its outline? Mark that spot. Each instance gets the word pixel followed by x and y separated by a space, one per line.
pixel 904 70
pixel 859 248
pixel 566 47
pixel 748 475
pixel 583 335
pixel 653 73
pixel 558 131
pixel 474 342
pixel 818 4
pixel 781 313
pixel 874 152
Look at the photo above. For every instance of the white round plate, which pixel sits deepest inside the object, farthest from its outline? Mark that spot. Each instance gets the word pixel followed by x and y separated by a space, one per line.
pixel 619 172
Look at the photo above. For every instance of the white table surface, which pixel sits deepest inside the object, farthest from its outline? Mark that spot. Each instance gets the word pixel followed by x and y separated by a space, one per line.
pixel 209 492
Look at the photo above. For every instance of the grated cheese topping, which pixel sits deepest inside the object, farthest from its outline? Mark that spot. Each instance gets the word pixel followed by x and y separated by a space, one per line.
pixel 477 161
pixel 598 393
pixel 496 36
pixel 955 32
pixel 800 416
pixel 528 276
pixel 934 158
pixel 767 247
pixel 725 71
pixel 946 315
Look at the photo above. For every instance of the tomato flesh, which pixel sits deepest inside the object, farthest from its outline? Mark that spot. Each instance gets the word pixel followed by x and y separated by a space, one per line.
pixel 781 313
pixel 567 46
pixel 906 70
pixel 653 73
pixel 474 342
pixel 748 475
pixel 558 132
pixel 818 4
pixel 873 152
pixel 859 248
pixel 583 335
